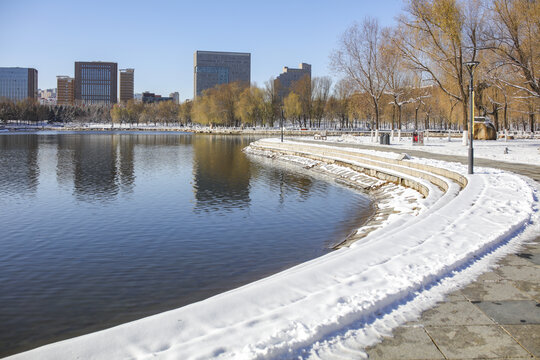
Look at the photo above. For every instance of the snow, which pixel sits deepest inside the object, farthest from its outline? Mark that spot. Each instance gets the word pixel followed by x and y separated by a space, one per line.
pixel 343 301
pixel 523 151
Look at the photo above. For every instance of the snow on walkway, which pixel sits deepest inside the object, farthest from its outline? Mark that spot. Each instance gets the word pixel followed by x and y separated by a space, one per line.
pixel 524 151
pixel 301 312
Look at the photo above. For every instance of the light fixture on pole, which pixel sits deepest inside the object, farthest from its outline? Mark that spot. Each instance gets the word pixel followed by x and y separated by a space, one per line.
pixel 282 120
pixel 471 65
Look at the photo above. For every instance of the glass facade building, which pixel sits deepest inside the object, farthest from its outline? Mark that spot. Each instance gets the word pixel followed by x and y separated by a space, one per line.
pixel 213 68
pixel 96 82
pixel 18 83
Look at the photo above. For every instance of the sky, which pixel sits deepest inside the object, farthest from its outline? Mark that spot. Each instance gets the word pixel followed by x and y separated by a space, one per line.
pixel 158 39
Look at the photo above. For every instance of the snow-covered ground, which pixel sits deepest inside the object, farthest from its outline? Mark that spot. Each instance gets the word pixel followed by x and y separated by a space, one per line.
pixel 347 299
pixel 524 151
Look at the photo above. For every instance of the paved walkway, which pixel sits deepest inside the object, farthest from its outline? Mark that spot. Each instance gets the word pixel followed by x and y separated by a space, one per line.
pixel 495 317
pixel 531 171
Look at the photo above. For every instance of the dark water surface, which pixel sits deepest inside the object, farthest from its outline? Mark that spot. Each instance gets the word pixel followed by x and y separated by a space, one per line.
pixel 103 228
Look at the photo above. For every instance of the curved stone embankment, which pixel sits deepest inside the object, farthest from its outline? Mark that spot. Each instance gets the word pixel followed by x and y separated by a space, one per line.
pixel 352 295
pixel 425 179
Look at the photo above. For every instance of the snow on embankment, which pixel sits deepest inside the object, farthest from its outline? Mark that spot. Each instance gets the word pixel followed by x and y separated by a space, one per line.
pixel 303 310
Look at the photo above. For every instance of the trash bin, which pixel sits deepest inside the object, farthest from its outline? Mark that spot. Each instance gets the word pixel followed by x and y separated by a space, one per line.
pixel 381 138
pixel 418 138
pixel 384 139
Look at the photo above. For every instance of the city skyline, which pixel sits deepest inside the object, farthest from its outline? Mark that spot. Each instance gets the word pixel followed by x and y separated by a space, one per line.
pixel 159 42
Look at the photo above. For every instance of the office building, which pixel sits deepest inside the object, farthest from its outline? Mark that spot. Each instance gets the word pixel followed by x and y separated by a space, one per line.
pixel 148 97
pixel 213 68
pixel 285 81
pixel 96 82
pixel 175 96
pixel 65 90
pixel 18 83
pixel 126 84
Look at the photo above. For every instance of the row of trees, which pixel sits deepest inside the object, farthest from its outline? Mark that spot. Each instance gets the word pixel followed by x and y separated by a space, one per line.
pixel 30 110
pixel 422 60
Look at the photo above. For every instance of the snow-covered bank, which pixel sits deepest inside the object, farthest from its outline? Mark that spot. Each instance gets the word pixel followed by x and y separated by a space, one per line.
pixel 355 293
pixel 392 202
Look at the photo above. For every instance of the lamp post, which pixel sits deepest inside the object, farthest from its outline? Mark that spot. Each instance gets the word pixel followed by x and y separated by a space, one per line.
pixel 470 66
pixel 282 119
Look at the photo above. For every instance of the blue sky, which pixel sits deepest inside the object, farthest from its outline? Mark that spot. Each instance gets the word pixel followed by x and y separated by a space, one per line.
pixel 158 39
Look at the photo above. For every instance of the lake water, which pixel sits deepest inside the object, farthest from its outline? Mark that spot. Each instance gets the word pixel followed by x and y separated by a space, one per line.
pixel 97 229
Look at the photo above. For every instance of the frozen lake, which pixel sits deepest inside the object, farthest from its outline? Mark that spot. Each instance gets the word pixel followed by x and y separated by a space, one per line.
pixel 102 228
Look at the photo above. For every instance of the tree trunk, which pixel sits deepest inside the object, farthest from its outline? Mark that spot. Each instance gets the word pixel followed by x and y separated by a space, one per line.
pixel 376 114
pixel 393 116
pixel 506 116
pixel 496 118
pixel 465 116
pixel 531 122
pixel 399 117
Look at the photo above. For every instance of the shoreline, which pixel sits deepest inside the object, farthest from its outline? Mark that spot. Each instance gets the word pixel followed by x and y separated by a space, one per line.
pixel 379 191
pixel 276 131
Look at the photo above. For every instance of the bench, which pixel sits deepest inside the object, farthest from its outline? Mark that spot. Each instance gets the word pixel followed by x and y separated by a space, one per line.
pixel 320 135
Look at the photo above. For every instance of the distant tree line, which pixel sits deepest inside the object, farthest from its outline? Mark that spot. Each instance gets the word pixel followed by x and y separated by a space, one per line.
pixel 30 111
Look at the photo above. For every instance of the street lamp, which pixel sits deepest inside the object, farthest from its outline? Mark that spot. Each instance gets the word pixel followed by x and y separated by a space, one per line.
pixel 470 66
pixel 282 119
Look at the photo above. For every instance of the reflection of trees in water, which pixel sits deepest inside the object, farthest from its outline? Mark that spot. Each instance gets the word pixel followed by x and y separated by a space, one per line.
pixel 291 184
pixel 100 166
pixel 221 172
pixel 288 179
pixel 95 168
pixel 125 162
pixel 160 151
pixel 19 168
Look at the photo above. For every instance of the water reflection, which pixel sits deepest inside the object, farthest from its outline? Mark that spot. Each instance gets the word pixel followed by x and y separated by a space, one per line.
pixel 100 166
pixel 19 170
pixel 221 173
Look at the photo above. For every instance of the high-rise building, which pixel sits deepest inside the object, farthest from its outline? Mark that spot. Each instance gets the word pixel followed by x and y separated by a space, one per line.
pixel 211 68
pixel 175 96
pixel 285 81
pixel 96 82
pixel 127 77
pixel 18 83
pixel 65 90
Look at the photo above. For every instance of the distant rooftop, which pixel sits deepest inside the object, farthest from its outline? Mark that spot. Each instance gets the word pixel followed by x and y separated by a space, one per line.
pixel 222 52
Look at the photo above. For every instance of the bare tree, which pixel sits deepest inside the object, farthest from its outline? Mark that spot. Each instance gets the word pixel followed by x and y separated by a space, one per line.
pixel 320 90
pixel 272 101
pixel 437 38
pixel 342 101
pixel 514 36
pixel 302 88
pixel 359 58
pixel 398 76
